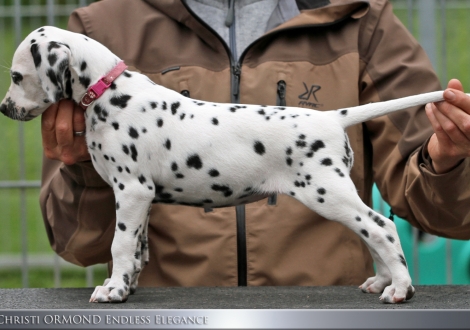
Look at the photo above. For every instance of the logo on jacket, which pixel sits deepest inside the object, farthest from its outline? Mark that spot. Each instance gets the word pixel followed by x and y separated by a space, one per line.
pixel 309 98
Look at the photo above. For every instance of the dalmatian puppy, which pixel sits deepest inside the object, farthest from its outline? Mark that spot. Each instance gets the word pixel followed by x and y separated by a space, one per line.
pixel 153 145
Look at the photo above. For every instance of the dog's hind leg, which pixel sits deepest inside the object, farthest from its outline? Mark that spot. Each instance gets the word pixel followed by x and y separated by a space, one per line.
pixel 132 205
pixel 333 195
pixel 141 254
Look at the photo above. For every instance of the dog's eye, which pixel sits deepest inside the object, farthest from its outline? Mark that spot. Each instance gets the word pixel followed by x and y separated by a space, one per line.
pixel 16 77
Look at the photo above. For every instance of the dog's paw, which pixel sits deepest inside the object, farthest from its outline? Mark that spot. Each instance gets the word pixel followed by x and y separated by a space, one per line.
pixel 393 295
pixel 109 294
pixel 375 284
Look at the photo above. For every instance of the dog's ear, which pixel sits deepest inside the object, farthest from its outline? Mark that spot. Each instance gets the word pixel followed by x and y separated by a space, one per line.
pixel 52 61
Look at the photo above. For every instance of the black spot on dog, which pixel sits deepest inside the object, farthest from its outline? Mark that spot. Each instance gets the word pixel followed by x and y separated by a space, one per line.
pixel 402 260
pixel 168 144
pixel 317 145
pixel 84 81
pixel 182 116
pixel 52 45
pixel 213 172
pixel 127 74
pixel 121 186
pixel 101 113
pixel 174 167
pixel 343 112
pixel 52 76
pixel 302 136
pixel 119 169
pixel 159 122
pixel 115 125
pixel 321 191
pixel 133 132
pixel 259 148
pixel 358 218
pixel 153 105
pixel 215 121
pixel 390 238
pixel 120 100
pixel 142 179
pixel 326 162
pixel 365 233
pixel 289 161
pixel 341 174
pixel 289 151
pixel 224 189
pixel 194 161
pixel 179 176
pixel 261 112
pixel 320 200
pixel 133 152
pixel 378 221
pixel 125 149
pixel 233 109
pixel 300 143
pixel 174 107
pixel 83 66
pixel 106 157
pixel 128 170
pixel 164 107
pixel 125 278
pixel 178 189
pixel 122 226
pixel 52 58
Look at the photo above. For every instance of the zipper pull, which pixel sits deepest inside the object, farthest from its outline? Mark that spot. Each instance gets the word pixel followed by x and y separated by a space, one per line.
pixel 281 93
pixel 231 14
pixel 236 75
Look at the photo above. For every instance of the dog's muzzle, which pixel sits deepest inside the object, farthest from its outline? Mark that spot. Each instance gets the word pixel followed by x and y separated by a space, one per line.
pixel 10 110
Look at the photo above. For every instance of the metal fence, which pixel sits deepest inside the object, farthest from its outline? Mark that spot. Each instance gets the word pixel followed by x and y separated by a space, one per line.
pixel 431 21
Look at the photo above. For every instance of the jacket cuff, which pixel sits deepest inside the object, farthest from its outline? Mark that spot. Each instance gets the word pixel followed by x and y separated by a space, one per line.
pixel 84 174
pixel 449 185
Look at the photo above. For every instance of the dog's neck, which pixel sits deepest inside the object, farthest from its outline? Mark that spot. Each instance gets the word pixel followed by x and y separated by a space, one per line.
pixel 88 67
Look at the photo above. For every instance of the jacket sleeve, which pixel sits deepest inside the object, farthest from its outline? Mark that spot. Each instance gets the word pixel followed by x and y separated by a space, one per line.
pixel 394 65
pixel 78 207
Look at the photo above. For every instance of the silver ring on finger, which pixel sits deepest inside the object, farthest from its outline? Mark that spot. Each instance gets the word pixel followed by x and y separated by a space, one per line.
pixel 80 133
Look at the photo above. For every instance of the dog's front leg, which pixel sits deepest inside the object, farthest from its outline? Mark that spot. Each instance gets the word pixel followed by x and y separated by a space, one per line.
pixel 132 207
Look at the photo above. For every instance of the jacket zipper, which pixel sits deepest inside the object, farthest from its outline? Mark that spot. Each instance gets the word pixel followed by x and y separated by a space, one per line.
pixel 235 72
pixel 240 211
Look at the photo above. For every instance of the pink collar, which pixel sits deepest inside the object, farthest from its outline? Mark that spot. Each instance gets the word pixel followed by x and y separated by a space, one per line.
pixel 102 85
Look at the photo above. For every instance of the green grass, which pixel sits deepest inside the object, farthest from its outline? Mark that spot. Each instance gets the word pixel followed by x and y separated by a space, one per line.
pixel 458 59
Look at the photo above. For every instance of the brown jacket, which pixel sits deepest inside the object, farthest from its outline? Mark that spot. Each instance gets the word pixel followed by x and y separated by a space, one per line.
pixel 340 54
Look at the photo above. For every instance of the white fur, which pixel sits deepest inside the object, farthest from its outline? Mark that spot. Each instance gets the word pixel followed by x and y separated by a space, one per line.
pixel 225 154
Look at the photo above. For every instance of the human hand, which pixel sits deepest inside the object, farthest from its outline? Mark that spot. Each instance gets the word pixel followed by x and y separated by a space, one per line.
pixel 450 119
pixel 58 124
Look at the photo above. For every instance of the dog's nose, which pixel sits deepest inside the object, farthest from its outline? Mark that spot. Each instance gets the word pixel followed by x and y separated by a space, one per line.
pixel 3 108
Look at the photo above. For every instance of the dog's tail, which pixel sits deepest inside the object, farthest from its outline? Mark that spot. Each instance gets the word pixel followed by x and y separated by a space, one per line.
pixel 362 113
